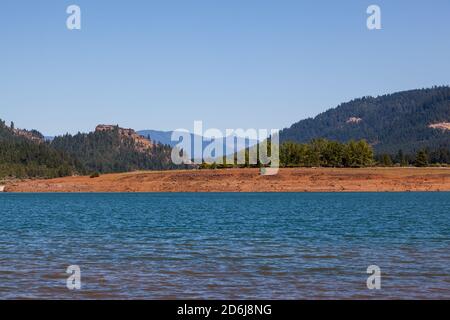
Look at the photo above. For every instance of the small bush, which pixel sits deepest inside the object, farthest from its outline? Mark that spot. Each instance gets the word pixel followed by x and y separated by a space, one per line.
pixel 95 175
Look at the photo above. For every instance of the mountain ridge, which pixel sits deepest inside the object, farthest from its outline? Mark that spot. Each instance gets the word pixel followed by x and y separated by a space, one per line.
pixel 392 122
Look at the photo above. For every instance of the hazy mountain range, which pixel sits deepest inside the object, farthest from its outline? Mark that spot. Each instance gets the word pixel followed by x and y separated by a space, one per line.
pixel 165 137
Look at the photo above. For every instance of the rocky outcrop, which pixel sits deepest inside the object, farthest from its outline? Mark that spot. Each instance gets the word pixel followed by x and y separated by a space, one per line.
pixel 354 120
pixel 32 135
pixel 142 144
pixel 444 126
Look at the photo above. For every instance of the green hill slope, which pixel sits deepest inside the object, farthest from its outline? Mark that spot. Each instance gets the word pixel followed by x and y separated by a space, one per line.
pixel 114 150
pixel 399 121
pixel 24 155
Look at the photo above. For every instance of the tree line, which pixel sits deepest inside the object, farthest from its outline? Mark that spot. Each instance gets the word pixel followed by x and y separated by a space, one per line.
pixel 353 154
pixel 422 158
pixel 317 153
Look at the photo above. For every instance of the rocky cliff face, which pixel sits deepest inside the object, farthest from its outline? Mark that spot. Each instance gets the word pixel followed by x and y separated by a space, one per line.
pixel 32 135
pixel 142 144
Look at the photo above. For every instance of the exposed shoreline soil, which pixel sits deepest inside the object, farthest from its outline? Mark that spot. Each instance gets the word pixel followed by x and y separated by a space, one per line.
pixel 249 180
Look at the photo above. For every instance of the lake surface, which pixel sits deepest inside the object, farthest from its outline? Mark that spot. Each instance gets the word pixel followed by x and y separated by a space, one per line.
pixel 225 246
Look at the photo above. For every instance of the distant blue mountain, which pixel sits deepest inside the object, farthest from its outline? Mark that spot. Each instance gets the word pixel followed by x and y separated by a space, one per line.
pixel 164 137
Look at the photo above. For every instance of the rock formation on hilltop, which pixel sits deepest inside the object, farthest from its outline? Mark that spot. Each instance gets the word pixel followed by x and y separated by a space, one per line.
pixel 111 148
pixel 32 135
pixel 141 144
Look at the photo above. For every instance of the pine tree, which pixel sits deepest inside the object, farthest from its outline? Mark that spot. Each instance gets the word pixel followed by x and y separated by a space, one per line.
pixel 421 159
pixel 387 161
pixel 401 158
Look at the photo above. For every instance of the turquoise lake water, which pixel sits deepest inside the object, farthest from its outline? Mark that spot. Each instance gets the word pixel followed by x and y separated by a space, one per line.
pixel 225 246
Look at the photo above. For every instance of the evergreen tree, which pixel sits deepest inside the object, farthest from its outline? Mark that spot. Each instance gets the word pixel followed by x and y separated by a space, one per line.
pixel 421 159
pixel 401 158
pixel 387 161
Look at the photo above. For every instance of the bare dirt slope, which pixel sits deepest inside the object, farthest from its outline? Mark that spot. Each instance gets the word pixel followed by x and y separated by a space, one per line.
pixel 249 180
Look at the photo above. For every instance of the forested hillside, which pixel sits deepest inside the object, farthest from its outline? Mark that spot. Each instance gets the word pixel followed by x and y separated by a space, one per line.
pixel 27 154
pixel 404 122
pixel 23 155
pixel 114 150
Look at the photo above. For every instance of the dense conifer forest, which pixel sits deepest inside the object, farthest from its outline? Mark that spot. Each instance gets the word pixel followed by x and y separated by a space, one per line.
pixel 28 156
pixel 392 124
pixel 21 157
pixel 109 151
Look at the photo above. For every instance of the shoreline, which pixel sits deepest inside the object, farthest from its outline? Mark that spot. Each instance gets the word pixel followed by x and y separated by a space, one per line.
pixel 377 179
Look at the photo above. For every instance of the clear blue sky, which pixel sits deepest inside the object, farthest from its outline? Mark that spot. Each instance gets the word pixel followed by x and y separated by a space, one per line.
pixel 231 63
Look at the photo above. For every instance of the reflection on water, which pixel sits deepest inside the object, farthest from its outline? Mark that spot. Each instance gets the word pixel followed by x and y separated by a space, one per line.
pixel 233 246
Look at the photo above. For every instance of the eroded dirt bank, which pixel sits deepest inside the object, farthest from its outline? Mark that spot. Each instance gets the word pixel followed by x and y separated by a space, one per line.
pixel 249 180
